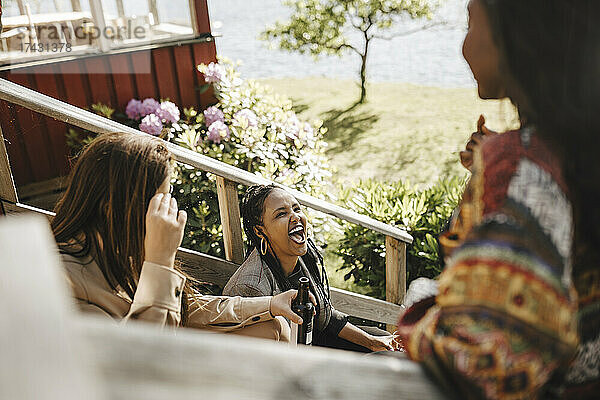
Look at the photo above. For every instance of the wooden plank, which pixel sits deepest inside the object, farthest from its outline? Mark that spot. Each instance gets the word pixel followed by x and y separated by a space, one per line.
pixel 141 63
pixel 365 307
pixel 205 53
pixel 15 147
pixel 202 19
pixel 395 270
pixel 32 134
pixel 123 79
pixel 165 75
pixel 100 81
pixel 53 130
pixel 45 187
pixel 187 75
pixel 150 364
pixel 75 83
pixel 206 268
pixel 43 358
pixel 95 123
pixel 8 190
pixel 229 208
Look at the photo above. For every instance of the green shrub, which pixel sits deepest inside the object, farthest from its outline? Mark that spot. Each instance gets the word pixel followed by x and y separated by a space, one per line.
pixel 423 213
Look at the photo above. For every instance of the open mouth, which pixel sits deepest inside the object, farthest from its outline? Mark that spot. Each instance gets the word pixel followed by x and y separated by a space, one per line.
pixel 297 234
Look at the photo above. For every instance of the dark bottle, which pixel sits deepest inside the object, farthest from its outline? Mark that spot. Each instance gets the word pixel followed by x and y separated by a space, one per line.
pixel 305 309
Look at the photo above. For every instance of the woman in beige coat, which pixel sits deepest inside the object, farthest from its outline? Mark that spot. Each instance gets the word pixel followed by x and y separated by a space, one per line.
pixel 118 228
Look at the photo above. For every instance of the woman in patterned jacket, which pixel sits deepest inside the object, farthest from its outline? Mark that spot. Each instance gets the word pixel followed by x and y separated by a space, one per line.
pixel 517 313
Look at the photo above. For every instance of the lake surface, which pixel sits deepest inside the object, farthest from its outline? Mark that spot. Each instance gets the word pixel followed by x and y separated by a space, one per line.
pixel 432 57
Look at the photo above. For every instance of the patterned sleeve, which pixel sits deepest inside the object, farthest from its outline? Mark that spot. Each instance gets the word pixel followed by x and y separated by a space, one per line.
pixel 505 317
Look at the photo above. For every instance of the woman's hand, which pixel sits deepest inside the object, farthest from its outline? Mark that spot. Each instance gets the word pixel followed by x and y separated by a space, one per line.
pixel 382 343
pixel 164 230
pixel 281 304
pixel 466 156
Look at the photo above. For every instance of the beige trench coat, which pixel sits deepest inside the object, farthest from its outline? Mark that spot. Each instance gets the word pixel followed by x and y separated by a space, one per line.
pixel 158 300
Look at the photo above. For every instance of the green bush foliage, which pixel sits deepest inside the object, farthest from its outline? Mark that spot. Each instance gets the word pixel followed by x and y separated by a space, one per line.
pixel 423 213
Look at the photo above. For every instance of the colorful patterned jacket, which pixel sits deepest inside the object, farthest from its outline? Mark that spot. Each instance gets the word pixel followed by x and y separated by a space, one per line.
pixel 504 321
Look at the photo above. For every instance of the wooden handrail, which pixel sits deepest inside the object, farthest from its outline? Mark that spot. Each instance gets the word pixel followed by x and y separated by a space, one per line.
pixel 70 114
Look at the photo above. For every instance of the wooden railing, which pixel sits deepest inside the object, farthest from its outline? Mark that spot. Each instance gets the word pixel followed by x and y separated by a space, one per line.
pixel 228 177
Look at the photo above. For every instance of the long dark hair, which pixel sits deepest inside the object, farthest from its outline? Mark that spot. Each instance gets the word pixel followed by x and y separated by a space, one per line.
pixel 252 209
pixel 551 51
pixel 102 212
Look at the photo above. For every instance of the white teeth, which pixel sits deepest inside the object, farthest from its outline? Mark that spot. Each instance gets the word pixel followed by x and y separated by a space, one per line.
pixel 296 230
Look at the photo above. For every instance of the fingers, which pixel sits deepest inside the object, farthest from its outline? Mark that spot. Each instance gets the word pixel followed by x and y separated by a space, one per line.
pixel 182 218
pixel 292 295
pixel 295 318
pixel 165 204
pixel 155 202
pixel 480 123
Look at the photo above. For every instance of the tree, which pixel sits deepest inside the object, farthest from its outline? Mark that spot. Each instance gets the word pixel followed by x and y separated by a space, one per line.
pixel 321 26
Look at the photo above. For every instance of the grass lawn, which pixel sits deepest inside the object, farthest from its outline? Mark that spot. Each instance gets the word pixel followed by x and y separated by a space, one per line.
pixel 402 132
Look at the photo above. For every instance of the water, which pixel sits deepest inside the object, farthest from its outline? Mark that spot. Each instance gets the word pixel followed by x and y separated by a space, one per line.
pixel 432 57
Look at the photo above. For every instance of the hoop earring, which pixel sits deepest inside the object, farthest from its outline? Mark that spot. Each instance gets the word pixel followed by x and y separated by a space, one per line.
pixel 263 242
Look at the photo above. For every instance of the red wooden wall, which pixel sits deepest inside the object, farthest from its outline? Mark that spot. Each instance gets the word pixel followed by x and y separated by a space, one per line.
pixel 37 145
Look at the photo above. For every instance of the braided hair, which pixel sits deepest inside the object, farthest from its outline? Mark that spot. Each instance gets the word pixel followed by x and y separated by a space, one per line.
pixel 252 209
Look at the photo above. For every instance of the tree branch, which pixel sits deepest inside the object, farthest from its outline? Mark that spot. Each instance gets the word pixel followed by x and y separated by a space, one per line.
pixel 349 47
pixel 411 31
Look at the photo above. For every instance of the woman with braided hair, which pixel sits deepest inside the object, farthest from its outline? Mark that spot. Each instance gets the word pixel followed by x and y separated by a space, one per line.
pixel 280 253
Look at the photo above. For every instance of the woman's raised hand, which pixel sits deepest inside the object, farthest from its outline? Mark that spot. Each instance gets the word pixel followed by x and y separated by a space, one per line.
pixel 466 156
pixel 164 229
pixel 281 305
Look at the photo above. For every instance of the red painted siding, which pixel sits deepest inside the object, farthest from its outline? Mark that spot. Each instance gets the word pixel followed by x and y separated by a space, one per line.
pixel 37 145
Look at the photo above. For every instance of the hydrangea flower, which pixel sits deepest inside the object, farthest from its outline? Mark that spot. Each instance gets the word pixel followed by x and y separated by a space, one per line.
pixel 168 112
pixel 213 114
pixel 214 73
pixel 133 109
pixel 218 131
pixel 246 116
pixel 151 124
pixel 148 106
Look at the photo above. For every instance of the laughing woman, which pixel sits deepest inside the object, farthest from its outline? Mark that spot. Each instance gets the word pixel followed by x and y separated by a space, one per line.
pixel 118 229
pixel 281 253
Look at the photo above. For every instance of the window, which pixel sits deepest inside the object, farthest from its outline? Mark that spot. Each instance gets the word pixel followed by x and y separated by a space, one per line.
pixel 41 29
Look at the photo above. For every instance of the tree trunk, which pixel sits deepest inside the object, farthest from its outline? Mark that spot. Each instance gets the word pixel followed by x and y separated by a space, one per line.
pixel 363 70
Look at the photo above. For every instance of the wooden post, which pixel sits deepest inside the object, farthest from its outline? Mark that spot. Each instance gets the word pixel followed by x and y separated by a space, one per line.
pixel 76 5
pixel 154 10
pixel 395 272
pixel 120 9
pixel 229 208
pixel 8 191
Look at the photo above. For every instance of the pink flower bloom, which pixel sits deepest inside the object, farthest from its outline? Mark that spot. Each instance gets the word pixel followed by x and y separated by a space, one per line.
pixel 168 112
pixel 214 73
pixel 151 124
pixel 213 114
pixel 218 131
pixel 246 115
pixel 133 109
pixel 148 106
